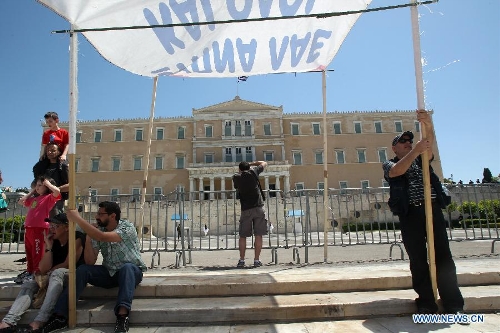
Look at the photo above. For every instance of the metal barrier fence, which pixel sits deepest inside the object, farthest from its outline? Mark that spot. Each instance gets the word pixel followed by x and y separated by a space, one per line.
pixel 199 221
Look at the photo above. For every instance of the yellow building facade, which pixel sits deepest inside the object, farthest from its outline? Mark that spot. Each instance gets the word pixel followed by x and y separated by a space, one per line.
pixel 201 153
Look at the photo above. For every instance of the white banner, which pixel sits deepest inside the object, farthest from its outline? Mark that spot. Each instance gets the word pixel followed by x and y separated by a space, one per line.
pixel 213 50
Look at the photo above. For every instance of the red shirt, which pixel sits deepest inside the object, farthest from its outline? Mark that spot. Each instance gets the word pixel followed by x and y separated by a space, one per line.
pixel 59 137
pixel 39 209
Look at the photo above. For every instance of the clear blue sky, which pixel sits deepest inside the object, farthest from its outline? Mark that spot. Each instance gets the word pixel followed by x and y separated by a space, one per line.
pixel 373 71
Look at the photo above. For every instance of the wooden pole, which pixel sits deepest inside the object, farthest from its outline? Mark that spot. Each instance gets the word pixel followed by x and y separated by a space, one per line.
pixel 325 172
pixel 73 107
pixel 148 151
pixel 417 57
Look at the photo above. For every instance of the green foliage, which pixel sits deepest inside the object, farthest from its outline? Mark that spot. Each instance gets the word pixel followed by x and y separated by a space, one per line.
pixel 12 229
pixel 485 209
pixel 487 176
pixel 477 223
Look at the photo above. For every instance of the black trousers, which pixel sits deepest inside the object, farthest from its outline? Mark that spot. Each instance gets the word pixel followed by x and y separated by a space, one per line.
pixel 414 238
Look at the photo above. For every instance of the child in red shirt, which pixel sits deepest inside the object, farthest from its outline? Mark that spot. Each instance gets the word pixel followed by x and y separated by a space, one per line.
pixel 35 225
pixel 55 134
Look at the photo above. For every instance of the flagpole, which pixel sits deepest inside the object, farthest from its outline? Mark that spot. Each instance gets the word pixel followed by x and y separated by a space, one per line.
pixel 325 172
pixel 73 108
pixel 417 57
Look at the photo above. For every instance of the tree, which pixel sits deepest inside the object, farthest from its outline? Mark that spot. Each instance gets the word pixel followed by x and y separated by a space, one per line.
pixel 487 176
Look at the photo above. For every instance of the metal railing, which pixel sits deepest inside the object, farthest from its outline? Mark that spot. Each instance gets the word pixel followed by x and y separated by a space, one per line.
pixel 205 221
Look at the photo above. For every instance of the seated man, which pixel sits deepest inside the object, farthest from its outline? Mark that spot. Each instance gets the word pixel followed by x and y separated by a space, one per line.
pixel 121 267
pixel 54 262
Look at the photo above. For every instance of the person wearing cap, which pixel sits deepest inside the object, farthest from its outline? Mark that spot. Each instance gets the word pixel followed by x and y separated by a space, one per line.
pixel 122 265
pixel 55 263
pixel 404 174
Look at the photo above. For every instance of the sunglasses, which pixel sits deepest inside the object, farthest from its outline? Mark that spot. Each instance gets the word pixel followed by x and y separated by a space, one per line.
pixel 403 140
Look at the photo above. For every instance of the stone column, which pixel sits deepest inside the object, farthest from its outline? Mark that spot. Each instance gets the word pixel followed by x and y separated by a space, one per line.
pixel 277 186
pixel 266 185
pixel 211 187
pixel 200 187
pixel 223 187
pixel 191 188
pixel 287 183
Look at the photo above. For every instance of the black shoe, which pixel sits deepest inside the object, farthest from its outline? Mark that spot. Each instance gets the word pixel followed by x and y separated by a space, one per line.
pixel 121 323
pixel 9 329
pixel 55 323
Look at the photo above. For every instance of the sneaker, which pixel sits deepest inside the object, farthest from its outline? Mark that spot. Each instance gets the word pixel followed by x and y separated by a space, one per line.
pixel 121 324
pixel 28 278
pixel 55 323
pixel 257 263
pixel 19 278
pixel 241 263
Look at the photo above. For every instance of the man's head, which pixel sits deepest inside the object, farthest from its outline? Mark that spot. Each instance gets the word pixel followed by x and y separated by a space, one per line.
pixel 109 211
pixel 402 144
pixel 58 226
pixel 243 166
pixel 51 119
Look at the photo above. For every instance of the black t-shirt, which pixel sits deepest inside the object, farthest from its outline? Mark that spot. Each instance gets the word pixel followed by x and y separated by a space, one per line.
pixel 249 198
pixel 59 253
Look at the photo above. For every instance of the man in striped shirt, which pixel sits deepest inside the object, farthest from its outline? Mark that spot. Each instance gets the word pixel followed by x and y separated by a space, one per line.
pixel 404 174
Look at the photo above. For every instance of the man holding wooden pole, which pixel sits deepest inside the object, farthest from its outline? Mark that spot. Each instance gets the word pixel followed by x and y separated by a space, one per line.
pixel 405 176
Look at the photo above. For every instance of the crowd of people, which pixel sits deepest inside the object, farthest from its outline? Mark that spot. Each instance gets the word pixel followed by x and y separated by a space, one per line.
pixel 46 239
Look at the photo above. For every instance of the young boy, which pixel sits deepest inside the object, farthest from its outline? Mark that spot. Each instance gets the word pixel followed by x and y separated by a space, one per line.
pixel 55 134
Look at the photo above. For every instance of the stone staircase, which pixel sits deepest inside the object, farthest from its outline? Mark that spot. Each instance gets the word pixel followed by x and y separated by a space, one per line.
pixel 275 293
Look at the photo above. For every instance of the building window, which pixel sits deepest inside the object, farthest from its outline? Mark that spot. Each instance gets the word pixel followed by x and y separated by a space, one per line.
pixel 158 191
pixel 336 128
pixel 228 155
pixel 361 155
pixel 114 194
pixel 295 129
pixel 181 132
pixel 179 162
pixel 77 165
pixel 267 129
pixel 159 163
pixel 237 128
pixel 316 129
pixel 136 194
pixel 268 156
pixel 208 131
pixel 97 136
pixel 297 158
pixel 209 158
pixel 95 165
pixel 115 163
pixel 343 186
pixel 299 187
pixel 248 154
pixel 239 156
pixel 340 156
pixel 378 127
pixel 78 137
pixel 365 184
pixel 357 127
pixel 382 155
pixel 160 133
pixel 398 126
pixel 248 128
pixel 227 128
pixel 138 134
pixel 417 127
pixel 318 157
pixel 93 195
pixel 138 163
pixel 118 135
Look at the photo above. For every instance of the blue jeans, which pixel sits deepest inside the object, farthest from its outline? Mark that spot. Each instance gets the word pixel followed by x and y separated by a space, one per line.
pixel 126 279
pixel 25 297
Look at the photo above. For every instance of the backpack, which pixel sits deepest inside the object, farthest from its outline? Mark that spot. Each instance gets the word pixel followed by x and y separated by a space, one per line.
pixel 249 183
pixel 3 202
